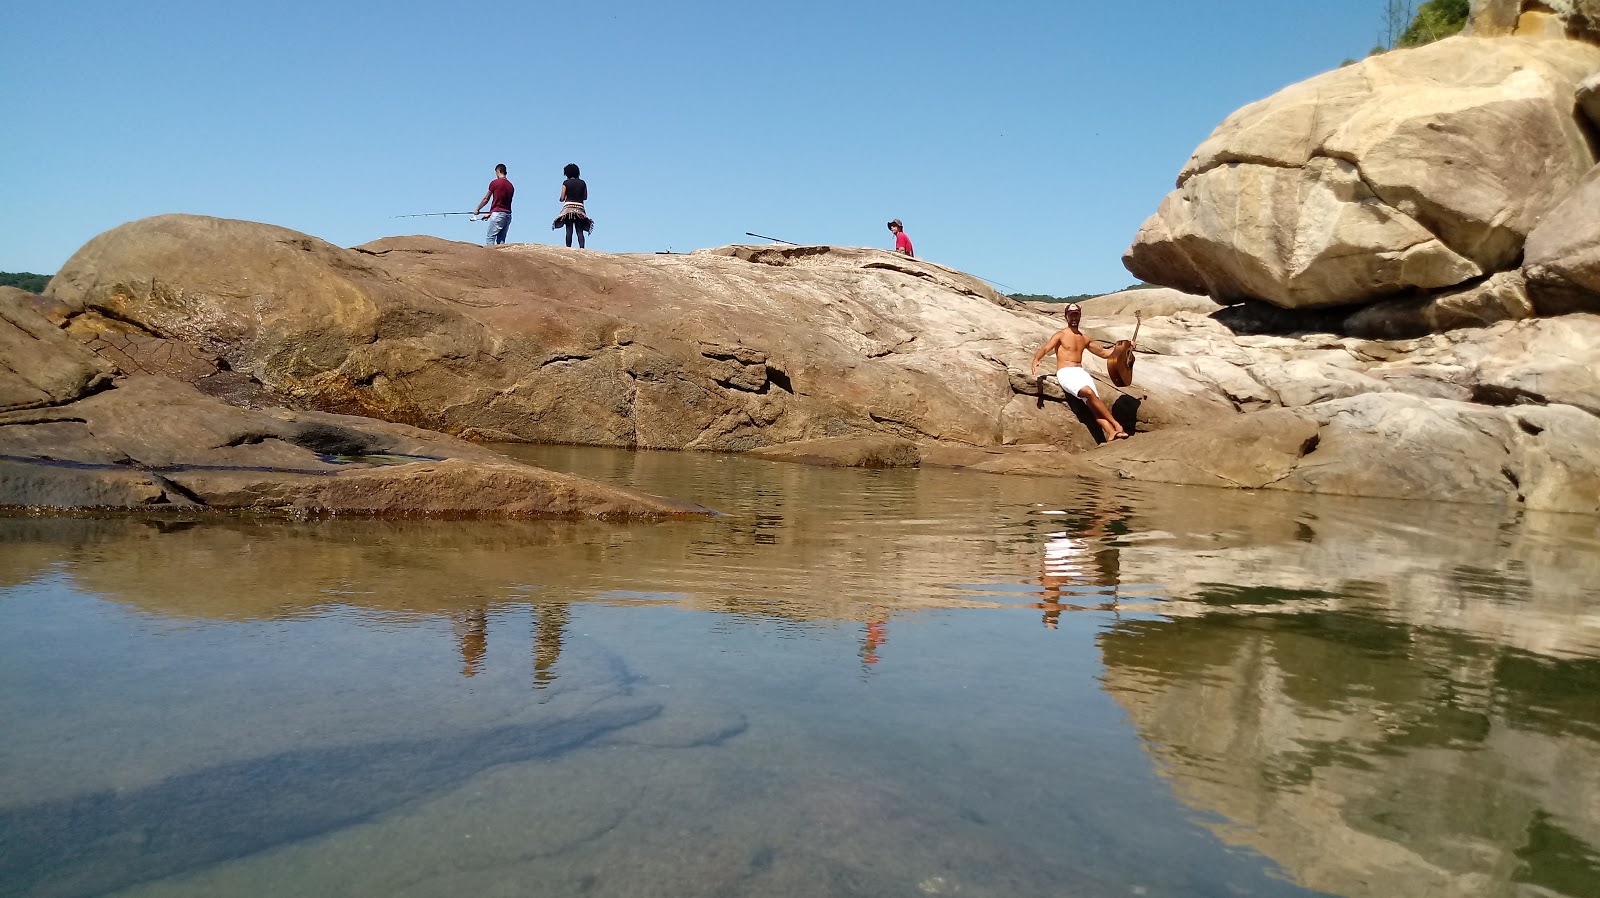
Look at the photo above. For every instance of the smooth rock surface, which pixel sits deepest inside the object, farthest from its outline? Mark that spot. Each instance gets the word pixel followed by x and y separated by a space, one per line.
pixel 1420 168
pixel 1562 263
pixel 727 349
pixel 1389 445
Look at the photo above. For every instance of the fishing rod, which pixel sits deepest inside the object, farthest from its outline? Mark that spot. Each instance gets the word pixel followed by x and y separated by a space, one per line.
pixel 765 237
pixel 433 214
pixel 980 277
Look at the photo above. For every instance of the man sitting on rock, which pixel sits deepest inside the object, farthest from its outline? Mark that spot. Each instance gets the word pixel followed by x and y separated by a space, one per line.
pixel 1069 344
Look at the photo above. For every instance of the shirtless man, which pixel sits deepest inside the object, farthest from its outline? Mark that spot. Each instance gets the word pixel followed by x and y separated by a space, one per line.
pixel 1069 345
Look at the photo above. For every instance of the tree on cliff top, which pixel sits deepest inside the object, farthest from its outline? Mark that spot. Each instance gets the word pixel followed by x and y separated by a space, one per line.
pixel 1434 21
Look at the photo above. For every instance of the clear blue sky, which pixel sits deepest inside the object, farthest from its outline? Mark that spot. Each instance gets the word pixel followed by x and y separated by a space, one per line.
pixel 1022 141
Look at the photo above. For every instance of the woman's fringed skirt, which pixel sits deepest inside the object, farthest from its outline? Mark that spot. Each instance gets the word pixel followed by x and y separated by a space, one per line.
pixel 573 214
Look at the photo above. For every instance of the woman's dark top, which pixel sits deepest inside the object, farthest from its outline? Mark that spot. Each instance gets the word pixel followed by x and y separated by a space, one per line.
pixel 577 191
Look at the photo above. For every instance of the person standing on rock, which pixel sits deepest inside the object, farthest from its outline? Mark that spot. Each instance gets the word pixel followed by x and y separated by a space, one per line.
pixel 902 243
pixel 574 193
pixel 500 191
pixel 1068 345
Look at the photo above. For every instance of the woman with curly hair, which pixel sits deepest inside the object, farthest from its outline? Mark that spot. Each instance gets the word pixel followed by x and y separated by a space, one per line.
pixel 574 193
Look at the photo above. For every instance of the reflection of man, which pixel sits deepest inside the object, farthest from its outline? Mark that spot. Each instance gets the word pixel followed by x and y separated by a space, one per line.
pixel 472 634
pixel 1079 563
pixel 548 632
pixel 1068 345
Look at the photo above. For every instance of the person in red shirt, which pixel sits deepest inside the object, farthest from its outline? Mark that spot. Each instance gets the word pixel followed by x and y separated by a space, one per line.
pixel 902 243
pixel 500 191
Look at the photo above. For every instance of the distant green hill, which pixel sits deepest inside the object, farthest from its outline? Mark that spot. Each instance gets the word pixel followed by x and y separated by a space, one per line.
pixel 1040 297
pixel 33 283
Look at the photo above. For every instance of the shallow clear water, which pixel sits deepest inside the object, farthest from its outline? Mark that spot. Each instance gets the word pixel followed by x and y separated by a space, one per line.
pixel 854 683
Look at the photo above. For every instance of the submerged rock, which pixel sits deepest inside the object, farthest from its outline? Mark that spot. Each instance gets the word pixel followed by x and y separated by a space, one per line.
pixel 873 451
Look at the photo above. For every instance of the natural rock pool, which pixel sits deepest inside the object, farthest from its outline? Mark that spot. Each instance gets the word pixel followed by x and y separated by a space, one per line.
pixel 856 683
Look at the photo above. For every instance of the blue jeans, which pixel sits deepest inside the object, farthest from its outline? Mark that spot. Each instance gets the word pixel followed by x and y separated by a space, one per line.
pixel 499 223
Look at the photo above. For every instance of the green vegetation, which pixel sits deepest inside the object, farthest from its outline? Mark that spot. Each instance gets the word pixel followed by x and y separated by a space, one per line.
pixel 1405 24
pixel 33 283
pixel 1080 297
pixel 1435 21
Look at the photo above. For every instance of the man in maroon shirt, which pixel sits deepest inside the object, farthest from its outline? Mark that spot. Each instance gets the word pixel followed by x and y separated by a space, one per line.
pixel 500 191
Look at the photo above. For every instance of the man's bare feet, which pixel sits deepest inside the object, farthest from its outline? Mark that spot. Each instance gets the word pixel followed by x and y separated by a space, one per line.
pixel 1122 435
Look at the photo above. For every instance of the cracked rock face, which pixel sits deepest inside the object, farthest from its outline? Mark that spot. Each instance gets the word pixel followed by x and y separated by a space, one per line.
pixel 723 349
pixel 1414 169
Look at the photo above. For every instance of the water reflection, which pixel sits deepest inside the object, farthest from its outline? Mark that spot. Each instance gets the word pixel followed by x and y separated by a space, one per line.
pixel 1081 568
pixel 550 626
pixel 1363 698
pixel 1371 757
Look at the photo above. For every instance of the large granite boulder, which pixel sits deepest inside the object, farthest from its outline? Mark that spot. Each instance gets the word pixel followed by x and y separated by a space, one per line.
pixel 1562 264
pixel 1414 169
pixel 725 349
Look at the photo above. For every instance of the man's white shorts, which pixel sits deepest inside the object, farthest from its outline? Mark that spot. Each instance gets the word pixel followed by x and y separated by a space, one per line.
pixel 1073 380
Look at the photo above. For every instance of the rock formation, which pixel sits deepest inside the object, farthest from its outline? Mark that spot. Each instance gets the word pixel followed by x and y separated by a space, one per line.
pixel 72 438
pixel 1414 169
pixel 842 356
pixel 727 349
pixel 1416 229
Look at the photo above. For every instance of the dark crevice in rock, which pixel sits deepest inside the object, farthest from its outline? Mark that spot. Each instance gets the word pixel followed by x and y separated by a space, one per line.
pixel 1230 159
pixel 1261 317
pixel 113 315
pixel 780 380
pixel 249 439
pixel 22 422
pixel 1516 482
pixel 169 486
pixel 326 439
pixel 559 359
pixel 1528 427
pixel 1494 394
pixel 1310 445
pixel 898 427
pixel 744 355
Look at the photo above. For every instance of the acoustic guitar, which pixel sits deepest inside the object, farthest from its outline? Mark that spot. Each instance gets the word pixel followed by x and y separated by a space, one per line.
pixel 1120 365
